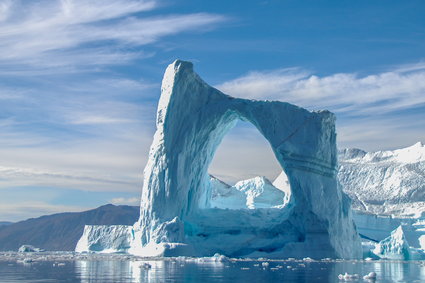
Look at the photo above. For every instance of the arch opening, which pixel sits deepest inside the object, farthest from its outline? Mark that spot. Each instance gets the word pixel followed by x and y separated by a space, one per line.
pixel 244 172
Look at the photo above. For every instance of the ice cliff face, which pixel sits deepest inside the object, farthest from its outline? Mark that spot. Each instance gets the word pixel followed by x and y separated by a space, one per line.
pixel 385 182
pixel 182 214
pixel 105 239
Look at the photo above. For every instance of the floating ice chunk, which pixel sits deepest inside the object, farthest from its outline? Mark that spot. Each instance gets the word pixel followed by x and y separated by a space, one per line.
pixel 145 265
pixel 105 239
pixel 370 276
pixel 26 260
pixel 348 277
pixel 394 247
pixel 29 248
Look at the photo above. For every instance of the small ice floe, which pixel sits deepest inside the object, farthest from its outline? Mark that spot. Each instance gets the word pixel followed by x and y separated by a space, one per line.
pixel 274 268
pixel 265 264
pixel 220 258
pixel 245 268
pixel 145 265
pixel 370 276
pixel 256 264
pixel 25 260
pixel 309 259
pixel 58 264
pixel 301 265
pixel 29 248
pixel 215 258
pixel 348 277
pixel 368 259
pixel 289 267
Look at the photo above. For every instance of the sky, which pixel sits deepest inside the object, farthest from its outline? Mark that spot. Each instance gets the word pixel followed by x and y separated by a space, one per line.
pixel 80 81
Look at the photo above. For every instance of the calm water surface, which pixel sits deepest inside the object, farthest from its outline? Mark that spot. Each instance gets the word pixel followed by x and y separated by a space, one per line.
pixel 166 270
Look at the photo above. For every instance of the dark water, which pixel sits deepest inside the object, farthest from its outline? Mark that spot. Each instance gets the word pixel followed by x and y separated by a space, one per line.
pixel 129 270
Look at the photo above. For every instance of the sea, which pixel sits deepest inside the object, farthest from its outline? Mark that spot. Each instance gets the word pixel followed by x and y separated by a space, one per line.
pixel 70 267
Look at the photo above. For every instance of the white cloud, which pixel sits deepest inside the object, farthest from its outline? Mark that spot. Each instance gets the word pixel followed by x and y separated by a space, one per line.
pixel 343 93
pixel 74 179
pixel 126 201
pixel 94 120
pixel 49 33
pixel 25 209
pixel 377 111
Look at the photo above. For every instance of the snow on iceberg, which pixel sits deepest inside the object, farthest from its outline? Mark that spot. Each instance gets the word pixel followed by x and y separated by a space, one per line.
pixel 177 217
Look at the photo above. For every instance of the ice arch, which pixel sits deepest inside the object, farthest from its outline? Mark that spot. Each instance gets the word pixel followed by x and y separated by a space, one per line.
pixel 192 119
pixel 244 153
pixel 244 171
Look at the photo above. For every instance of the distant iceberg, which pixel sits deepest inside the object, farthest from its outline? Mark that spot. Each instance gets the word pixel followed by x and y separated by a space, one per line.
pixel 185 212
pixel 105 239
pixel 394 247
pixel 29 249
pixel 253 193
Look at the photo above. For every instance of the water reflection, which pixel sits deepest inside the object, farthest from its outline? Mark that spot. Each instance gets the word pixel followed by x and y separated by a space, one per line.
pixel 387 271
pixel 137 271
pixel 124 269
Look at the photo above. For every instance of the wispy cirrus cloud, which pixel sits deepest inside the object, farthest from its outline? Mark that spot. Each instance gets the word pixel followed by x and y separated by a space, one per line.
pixel 348 93
pixel 126 201
pixel 17 211
pixel 368 107
pixel 67 33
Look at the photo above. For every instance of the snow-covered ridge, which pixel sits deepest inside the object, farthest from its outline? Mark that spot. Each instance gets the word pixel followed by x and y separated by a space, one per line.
pixel 385 182
pixel 411 154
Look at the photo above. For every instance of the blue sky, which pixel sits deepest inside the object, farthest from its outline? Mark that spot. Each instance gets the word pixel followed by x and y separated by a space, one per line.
pixel 79 83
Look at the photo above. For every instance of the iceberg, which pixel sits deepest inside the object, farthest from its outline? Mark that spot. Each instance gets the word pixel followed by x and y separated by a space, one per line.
pixel 29 249
pixel 105 239
pixel 260 193
pixel 253 193
pixel 225 196
pixel 181 213
pixel 394 247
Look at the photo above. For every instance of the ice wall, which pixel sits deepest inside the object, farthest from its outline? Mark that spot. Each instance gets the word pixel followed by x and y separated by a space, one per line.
pixel 105 239
pixel 176 217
